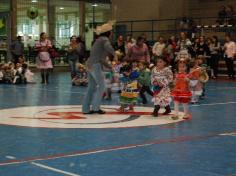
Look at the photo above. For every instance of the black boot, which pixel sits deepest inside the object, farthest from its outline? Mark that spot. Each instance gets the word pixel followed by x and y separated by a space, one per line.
pixel 109 94
pixel 156 110
pixel 47 76
pixel 167 111
pixel 43 78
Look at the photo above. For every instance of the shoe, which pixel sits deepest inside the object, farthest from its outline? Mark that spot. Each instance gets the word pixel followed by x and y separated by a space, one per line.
pixel 99 112
pixel 90 112
pixel 175 117
pixel 156 110
pixel 186 117
pixel 121 109
pixel 167 111
pixel 131 108
pixel 108 99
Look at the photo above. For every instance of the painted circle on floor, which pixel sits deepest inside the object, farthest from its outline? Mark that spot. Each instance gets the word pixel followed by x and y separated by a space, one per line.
pixel 72 117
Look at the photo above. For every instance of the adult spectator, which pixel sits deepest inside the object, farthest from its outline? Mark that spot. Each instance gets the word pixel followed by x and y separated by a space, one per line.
pixel 215 56
pixel 129 42
pixel 169 52
pixel 73 55
pixel 184 47
pixel 138 52
pixel 229 53
pixel 222 15
pixel 43 60
pixel 158 48
pixel 231 15
pixel 120 45
pixel 17 49
pixel 184 43
pixel 82 49
pixel 202 47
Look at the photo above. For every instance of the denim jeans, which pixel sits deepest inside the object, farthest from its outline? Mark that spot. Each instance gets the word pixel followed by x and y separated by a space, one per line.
pixel 73 69
pixel 96 88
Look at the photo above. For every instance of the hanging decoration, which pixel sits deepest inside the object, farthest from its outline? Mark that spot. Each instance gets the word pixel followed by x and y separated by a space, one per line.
pixel 32 13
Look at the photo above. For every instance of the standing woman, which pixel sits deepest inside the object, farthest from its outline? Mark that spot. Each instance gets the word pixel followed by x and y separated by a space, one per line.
pixel 101 49
pixel 215 56
pixel 138 52
pixel 229 53
pixel 82 50
pixel 73 55
pixel 43 60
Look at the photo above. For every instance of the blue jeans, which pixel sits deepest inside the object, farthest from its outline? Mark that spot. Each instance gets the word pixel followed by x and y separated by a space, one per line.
pixel 96 88
pixel 73 69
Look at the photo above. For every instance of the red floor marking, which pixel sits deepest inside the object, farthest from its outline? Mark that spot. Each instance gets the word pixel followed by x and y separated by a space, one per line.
pixel 76 115
pixel 67 115
pixel 108 113
pixel 102 150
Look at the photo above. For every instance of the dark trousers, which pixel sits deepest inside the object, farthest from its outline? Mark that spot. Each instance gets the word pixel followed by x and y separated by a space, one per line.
pixel 230 66
pixel 214 63
pixel 142 93
pixel 16 58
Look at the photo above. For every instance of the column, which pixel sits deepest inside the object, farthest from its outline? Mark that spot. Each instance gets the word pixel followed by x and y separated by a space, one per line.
pixel 13 18
pixel 82 12
pixel 51 20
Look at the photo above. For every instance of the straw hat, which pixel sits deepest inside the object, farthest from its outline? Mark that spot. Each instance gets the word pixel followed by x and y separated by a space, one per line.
pixel 104 28
pixel 204 77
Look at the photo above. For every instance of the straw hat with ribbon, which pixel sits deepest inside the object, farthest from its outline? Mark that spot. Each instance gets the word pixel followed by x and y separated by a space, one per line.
pixel 104 28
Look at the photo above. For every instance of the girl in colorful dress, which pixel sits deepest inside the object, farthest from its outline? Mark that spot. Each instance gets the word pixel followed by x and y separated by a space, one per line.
pixel 129 94
pixel 181 91
pixel 43 60
pixel 161 78
pixel 144 81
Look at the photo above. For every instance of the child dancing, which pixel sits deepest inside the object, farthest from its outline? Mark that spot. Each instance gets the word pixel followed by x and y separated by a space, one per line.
pixel 161 78
pixel 129 94
pixel 181 91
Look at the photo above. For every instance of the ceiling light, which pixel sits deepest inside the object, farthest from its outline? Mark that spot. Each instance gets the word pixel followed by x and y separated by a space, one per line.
pixel 61 8
pixel 34 1
pixel 94 5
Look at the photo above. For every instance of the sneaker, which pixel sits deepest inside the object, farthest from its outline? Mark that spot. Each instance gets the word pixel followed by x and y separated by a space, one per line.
pixel 90 112
pixel 99 112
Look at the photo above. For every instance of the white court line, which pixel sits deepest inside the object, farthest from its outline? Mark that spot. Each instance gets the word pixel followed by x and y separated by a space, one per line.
pixel 213 104
pixel 51 90
pixel 83 93
pixel 119 148
pixel 11 157
pixel 54 169
pixel 222 88
pixel 228 134
pixel 78 154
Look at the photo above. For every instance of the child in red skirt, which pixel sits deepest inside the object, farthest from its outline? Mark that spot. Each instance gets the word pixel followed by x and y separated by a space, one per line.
pixel 181 92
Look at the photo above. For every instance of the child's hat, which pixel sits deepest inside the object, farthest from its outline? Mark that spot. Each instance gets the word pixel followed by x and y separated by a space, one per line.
pixel 104 28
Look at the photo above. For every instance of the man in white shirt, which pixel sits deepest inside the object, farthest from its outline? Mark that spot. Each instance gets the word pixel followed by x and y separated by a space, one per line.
pixel 229 53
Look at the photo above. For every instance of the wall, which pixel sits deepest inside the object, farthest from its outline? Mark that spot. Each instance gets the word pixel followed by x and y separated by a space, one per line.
pixel 207 8
pixel 148 9
pixel 129 10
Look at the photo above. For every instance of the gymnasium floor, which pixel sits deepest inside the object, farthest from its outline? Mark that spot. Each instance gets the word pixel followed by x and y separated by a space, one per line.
pixel 43 133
